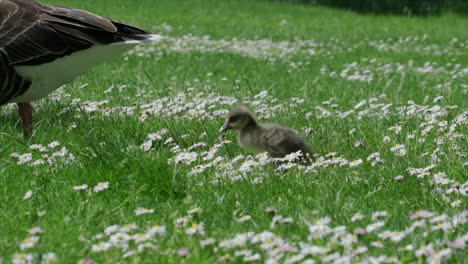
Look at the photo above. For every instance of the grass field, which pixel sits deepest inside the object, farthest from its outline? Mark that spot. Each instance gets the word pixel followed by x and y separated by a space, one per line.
pixel 126 164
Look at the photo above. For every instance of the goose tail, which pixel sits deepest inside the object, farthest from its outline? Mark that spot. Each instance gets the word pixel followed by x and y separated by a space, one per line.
pixel 134 35
pixel 140 39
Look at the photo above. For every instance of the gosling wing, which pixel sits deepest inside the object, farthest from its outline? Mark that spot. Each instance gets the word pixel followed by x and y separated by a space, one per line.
pixel 283 141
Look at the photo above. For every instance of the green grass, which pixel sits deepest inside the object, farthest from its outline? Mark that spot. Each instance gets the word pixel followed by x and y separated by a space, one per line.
pixel 148 179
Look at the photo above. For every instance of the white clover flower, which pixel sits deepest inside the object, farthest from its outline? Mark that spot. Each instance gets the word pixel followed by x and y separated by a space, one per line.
pixel 207 242
pixel 398 177
pixel 377 244
pixel 38 147
pixel 238 240
pixel 386 139
pixel 357 217
pixel 129 253
pixel 22 258
pixel 320 228
pixel 331 258
pixel 355 163
pixel 127 228
pixel 399 150
pixel 157 229
pixel 421 214
pixel 424 250
pixel 38 162
pixel 456 203
pixel 146 146
pixel 141 237
pixel 253 257
pixel 41 213
pixel 198 169
pixel 394 236
pixel 101 186
pixel 61 153
pixel 374 226
pixel 293 156
pixel 80 187
pixel 175 149
pixel 243 252
pixel 158 135
pixel 49 258
pixel 25 158
pixel 195 210
pixel 168 141
pixel 100 247
pixel 264 237
pixel 195 229
pixel 396 129
pixel 181 221
pixel 35 230
pixel 444 225
pixel 438 98
pixel 53 144
pixel 439 256
pixel 140 211
pixel 379 214
pixel 409 247
pixel 119 239
pixel 358 143
pixel 280 219
pixel 426 130
pixel 307 249
pixel 284 166
pixel 361 250
pixel 28 195
pixel 243 218
pixel 375 158
pixel 458 243
pixel 186 157
pixel 248 166
pixel 197 145
pixel 293 259
pixel 111 229
pixel 29 242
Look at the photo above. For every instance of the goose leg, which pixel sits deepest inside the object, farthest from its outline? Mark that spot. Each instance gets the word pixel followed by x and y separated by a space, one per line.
pixel 25 112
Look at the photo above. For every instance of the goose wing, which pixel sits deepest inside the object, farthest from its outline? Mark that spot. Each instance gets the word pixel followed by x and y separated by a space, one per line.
pixel 32 34
pixel 11 84
pixel 11 14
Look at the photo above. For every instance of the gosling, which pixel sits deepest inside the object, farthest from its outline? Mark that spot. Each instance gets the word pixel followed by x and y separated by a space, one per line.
pixel 276 140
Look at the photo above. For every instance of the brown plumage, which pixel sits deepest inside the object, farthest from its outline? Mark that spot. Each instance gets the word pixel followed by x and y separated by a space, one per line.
pixel 34 36
pixel 256 137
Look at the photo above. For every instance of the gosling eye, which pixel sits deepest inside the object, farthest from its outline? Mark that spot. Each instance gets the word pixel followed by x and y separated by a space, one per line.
pixel 233 119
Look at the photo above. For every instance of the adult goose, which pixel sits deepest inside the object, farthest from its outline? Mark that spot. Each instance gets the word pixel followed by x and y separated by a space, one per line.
pixel 45 46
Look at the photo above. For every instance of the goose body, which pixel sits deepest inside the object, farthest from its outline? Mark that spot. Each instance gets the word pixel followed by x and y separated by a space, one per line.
pixel 47 77
pixel 44 46
pixel 255 137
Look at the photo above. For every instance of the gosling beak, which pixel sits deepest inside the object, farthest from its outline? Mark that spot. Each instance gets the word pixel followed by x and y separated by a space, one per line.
pixel 225 127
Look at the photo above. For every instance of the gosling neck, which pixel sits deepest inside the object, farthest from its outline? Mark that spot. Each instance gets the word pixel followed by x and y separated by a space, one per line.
pixel 251 124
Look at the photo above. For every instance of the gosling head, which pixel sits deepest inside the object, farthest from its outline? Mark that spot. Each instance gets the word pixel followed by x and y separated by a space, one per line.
pixel 238 118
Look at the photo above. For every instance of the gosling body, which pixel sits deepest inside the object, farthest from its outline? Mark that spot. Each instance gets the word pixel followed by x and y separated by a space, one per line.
pixel 278 141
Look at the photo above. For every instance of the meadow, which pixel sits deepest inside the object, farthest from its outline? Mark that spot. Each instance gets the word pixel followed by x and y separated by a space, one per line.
pixel 126 164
